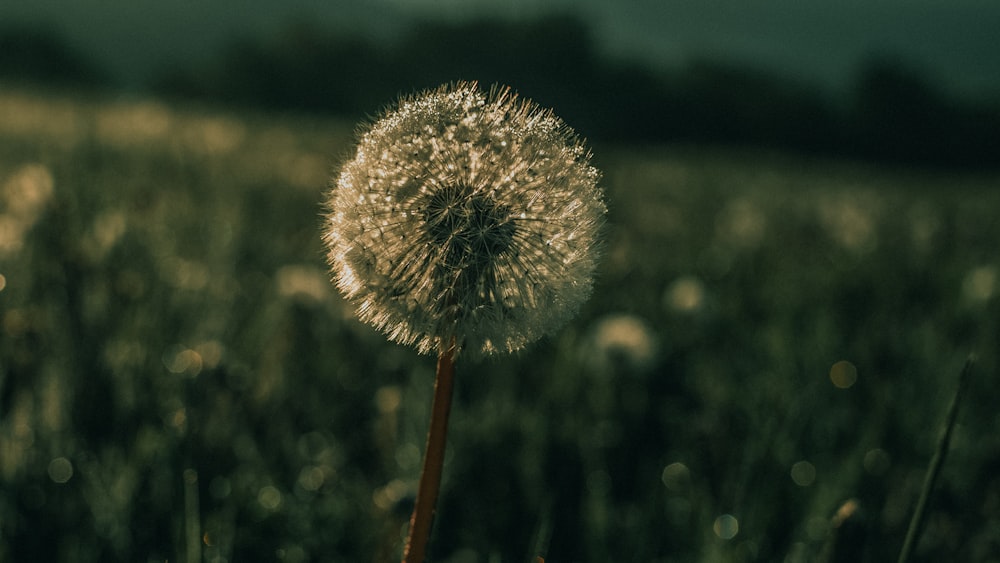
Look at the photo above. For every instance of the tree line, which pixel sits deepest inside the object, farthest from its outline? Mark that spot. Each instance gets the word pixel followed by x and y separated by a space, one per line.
pixel 892 111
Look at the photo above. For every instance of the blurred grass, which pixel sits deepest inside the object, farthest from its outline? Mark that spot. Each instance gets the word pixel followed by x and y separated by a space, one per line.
pixel 771 337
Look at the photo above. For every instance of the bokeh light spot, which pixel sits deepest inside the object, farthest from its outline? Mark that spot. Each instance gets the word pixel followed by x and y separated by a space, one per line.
pixel 741 224
pixel 60 470
pixel 305 283
pixel 128 124
pixel 388 496
pixel 877 461
pixel 685 295
pixel 178 418
pixel 843 374
pixel 408 456
pixel 314 445
pixel 16 322
pixel 726 526
pixel 803 473
pixel 3 282
pixel 846 511
pixel 22 198
pixel 388 399
pixel 28 190
pixel 107 230
pixel 269 497
pixel 850 221
pixel 181 360
pixel 621 340
pixel 311 478
pixel 980 284
pixel 676 477
pixel 210 353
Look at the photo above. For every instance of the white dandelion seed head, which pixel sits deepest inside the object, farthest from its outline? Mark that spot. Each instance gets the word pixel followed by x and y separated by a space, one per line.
pixel 465 215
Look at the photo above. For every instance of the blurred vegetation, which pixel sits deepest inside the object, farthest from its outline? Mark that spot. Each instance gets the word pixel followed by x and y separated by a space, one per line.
pixel 33 55
pixel 760 376
pixel 892 111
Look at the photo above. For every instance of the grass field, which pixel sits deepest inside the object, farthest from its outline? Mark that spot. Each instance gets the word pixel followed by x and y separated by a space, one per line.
pixel 761 374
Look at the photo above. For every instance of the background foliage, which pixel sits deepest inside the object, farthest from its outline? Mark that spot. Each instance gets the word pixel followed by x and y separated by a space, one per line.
pixel 179 381
pixel 892 108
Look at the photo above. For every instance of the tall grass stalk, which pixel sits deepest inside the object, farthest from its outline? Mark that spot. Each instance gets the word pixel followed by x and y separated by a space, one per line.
pixel 917 522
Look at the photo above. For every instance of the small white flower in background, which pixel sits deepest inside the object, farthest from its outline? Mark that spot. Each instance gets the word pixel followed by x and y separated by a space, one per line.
pixel 621 341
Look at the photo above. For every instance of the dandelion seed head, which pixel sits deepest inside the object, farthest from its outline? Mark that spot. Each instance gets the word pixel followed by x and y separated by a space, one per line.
pixel 469 215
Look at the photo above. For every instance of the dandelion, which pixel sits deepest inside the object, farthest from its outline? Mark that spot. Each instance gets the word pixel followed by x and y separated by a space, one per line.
pixel 466 216
pixel 467 220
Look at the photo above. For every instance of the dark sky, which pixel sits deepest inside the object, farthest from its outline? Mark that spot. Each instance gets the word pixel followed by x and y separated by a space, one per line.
pixel 954 41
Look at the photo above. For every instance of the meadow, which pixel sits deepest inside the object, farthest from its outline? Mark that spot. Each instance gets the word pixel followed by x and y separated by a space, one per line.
pixel 761 374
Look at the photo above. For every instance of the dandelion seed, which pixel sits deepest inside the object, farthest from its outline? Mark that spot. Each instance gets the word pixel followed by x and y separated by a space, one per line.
pixel 465 216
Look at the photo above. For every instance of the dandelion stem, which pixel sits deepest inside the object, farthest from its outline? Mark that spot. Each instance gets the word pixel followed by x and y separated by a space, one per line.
pixel 917 522
pixel 430 475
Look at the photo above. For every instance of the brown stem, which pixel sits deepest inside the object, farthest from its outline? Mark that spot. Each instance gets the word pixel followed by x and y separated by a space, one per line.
pixel 430 476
